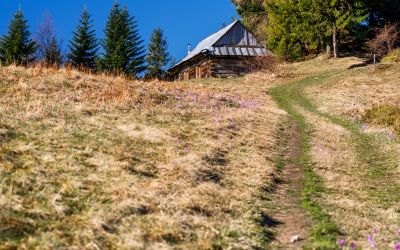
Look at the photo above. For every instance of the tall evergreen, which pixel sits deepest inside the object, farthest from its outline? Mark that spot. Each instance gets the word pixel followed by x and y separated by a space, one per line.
pixel 123 49
pixel 84 45
pixel 17 46
pixel 338 16
pixel 284 32
pixel 298 26
pixel 158 56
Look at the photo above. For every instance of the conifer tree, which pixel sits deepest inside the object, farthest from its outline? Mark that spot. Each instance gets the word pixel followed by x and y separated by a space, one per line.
pixel 123 49
pixel 297 26
pixel 284 32
pixel 84 45
pixel 53 56
pixel 158 56
pixel 337 16
pixel 135 47
pixel 112 60
pixel 17 46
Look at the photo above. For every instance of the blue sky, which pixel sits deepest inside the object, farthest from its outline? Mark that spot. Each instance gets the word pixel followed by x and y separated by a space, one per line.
pixel 183 21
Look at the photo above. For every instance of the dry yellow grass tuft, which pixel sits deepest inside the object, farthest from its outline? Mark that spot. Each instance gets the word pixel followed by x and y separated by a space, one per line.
pixel 91 161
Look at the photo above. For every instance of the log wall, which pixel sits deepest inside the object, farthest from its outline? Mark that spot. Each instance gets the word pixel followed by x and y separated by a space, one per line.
pixel 219 67
pixel 228 67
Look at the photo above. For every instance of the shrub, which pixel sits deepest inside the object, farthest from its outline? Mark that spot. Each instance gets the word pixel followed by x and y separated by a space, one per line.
pixel 394 56
pixel 261 63
pixel 385 40
pixel 384 115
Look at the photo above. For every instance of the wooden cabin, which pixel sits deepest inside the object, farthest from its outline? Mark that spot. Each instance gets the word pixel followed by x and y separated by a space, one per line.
pixel 223 54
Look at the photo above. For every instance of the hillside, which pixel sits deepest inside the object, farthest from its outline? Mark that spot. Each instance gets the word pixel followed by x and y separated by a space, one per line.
pixel 91 161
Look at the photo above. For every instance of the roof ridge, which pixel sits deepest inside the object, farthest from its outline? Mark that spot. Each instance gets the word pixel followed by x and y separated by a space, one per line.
pixel 203 45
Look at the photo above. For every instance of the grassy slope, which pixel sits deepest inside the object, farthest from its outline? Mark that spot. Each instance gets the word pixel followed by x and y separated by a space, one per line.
pixel 92 161
pixel 98 162
pixel 372 168
pixel 359 161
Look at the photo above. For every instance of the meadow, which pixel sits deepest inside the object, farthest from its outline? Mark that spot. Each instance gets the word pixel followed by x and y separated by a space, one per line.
pixel 98 162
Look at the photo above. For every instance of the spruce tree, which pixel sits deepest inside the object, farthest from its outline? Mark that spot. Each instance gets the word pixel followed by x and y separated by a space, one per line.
pixel 282 36
pixel 123 49
pixel 157 57
pixel 337 16
pixel 84 45
pixel 135 47
pixel 17 47
pixel 111 60
pixel 299 26
pixel 53 55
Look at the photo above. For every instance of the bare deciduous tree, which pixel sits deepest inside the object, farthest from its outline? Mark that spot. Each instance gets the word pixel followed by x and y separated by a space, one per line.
pixel 46 39
pixel 385 40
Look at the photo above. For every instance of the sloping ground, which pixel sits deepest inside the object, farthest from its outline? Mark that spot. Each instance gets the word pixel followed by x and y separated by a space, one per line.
pixel 352 187
pixel 93 162
pixel 359 162
pixel 89 162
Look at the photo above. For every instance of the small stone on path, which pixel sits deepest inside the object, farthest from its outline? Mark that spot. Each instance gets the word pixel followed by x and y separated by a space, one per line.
pixel 295 239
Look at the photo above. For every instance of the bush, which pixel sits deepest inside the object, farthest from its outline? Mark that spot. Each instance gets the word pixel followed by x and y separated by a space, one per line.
pixel 261 63
pixel 384 115
pixel 385 40
pixel 392 57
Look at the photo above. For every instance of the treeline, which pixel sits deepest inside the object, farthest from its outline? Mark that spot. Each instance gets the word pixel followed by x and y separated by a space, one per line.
pixel 296 28
pixel 120 52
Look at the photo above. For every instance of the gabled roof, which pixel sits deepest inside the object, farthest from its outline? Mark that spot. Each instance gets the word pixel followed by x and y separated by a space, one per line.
pixel 207 43
pixel 233 40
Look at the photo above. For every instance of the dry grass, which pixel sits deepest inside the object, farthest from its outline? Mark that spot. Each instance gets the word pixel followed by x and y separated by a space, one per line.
pixel 359 90
pixel 348 200
pixel 95 162
pixel 356 192
pixel 91 161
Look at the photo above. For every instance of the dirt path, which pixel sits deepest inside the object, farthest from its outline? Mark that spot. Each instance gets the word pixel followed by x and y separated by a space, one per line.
pixel 296 204
pixel 292 230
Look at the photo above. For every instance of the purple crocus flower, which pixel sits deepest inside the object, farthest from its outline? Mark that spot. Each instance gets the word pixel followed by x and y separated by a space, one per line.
pixel 342 243
pixel 397 246
pixel 353 245
pixel 364 127
pixel 371 241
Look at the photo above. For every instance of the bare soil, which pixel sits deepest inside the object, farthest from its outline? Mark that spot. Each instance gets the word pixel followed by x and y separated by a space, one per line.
pixel 293 223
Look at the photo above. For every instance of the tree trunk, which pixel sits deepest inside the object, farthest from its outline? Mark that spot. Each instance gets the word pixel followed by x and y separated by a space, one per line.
pixel 328 51
pixel 335 42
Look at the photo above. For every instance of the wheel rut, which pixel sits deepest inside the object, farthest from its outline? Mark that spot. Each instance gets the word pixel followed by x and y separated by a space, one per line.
pixel 292 231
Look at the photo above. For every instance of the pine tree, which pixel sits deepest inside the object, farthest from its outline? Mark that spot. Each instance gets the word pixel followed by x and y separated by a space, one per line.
pixel 135 47
pixel 112 60
pixel 299 26
pixel 84 45
pixel 17 47
pixel 157 57
pixel 338 16
pixel 53 55
pixel 285 29
pixel 123 49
